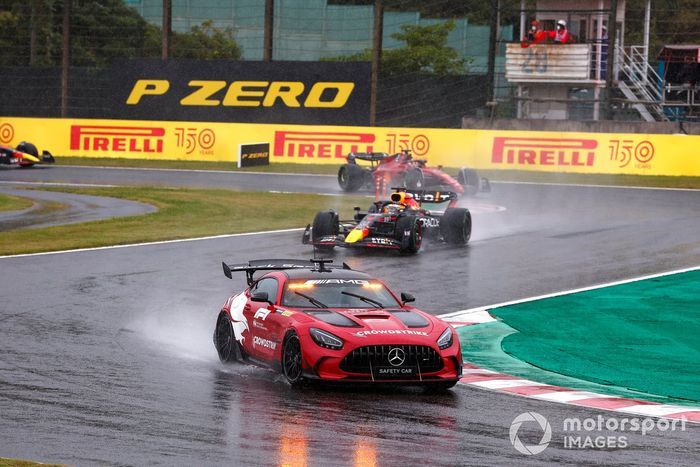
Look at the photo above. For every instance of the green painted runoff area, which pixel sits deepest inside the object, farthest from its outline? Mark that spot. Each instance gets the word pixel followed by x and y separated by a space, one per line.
pixel 640 340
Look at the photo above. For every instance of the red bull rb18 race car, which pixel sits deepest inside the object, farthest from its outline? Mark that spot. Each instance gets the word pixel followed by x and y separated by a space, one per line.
pixel 315 322
pixel 401 223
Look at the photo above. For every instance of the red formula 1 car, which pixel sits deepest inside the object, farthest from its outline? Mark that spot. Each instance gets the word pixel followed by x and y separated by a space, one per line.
pixel 24 155
pixel 312 322
pixel 400 223
pixel 403 170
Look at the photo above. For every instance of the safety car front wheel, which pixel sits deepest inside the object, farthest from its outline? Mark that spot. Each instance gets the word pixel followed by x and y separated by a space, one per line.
pixel 292 359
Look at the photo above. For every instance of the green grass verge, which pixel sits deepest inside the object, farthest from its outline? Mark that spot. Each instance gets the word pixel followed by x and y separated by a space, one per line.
pixel 332 169
pixel 4 462
pixel 183 213
pixel 14 203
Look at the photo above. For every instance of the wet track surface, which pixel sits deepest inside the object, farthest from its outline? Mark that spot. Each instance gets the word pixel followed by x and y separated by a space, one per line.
pixel 107 358
pixel 76 208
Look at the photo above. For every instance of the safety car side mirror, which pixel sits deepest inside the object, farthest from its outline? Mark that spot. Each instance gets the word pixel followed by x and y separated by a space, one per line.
pixel 259 297
pixel 407 297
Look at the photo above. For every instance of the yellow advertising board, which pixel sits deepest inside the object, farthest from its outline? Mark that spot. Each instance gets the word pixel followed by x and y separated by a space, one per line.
pixel 639 154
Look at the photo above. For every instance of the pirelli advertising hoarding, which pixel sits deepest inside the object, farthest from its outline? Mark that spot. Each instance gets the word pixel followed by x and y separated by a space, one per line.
pixel 638 154
pixel 231 91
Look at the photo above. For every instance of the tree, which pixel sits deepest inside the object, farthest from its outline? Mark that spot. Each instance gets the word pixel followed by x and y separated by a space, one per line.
pixel 426 51
pixel 100 32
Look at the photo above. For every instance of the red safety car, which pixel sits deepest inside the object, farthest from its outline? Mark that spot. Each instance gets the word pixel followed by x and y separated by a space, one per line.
pixel 24 155
pixel 402 169
pixel 315 322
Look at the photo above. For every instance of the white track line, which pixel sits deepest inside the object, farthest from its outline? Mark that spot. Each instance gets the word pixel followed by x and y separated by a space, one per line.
pixel 584 185
pixel 231 172
pixel 88 185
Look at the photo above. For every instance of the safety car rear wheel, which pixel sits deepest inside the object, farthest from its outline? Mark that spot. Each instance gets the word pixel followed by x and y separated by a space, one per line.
pixel 292 359
pixel 351 177
pixel 325 224
pixel 227 346
pixel 410 232
pixel 456 226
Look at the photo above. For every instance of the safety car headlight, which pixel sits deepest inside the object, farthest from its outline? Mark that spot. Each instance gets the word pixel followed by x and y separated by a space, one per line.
pixel 326 339
pixel 445 339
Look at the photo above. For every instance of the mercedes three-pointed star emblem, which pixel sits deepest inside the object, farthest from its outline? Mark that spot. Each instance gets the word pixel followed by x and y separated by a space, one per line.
pixel 397 356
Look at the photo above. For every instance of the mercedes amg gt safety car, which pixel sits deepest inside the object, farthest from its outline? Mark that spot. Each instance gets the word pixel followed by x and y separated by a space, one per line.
pixel 402 169
pixel 315 322
pixel 401 223
pixel 24 155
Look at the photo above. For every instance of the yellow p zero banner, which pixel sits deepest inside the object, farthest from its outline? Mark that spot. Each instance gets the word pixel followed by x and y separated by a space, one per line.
pixel 638 154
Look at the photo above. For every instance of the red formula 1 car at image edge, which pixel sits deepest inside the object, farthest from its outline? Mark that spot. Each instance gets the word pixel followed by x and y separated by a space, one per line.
pixel 402 169
pixel 315 322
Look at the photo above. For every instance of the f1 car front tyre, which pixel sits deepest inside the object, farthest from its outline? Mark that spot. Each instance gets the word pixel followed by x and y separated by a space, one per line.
pixel 225 342
pixel 410 232
pixel 325 224
pixel 351 177
pixel 30 149
pixel 292 359
pixel 456 226
pixel 414 179
pixel 469 179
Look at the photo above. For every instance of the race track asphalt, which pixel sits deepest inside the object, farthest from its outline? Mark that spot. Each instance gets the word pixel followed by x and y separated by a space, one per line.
pixel 76 208
pixel 107 357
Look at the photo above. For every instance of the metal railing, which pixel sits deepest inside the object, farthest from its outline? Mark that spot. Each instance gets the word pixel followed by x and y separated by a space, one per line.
pixel 639 82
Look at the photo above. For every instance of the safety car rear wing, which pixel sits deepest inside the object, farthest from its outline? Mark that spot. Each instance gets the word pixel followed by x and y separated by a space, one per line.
pixel 251 267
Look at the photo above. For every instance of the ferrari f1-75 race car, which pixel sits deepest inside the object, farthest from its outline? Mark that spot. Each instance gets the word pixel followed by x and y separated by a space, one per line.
pixel 400 223
pixel 312 321
pixel 24 155
pixel 403 170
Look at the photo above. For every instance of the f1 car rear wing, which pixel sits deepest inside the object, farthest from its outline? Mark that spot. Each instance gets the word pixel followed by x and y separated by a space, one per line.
pixel 367 156
pixel 251 267
pixel 427 196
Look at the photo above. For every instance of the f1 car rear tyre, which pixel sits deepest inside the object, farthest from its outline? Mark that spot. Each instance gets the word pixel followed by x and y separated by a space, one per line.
pixel 410 232
pixel 351 177
pixel 456 226
pixel 292 359
pixel 469 179
pixel 227 346
pixel 414 179
pixel 325 224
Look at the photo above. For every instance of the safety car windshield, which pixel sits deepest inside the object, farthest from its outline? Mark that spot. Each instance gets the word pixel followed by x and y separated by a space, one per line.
pixel 338 293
